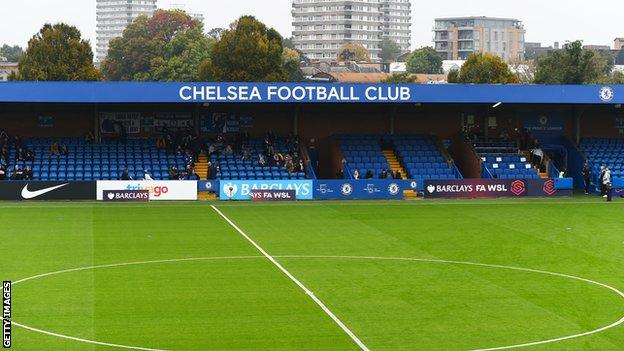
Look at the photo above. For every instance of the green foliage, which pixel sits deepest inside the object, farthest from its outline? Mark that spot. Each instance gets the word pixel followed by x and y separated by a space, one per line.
pixel 291 60
pixel 425 60
pixel 57 53
pixel 453 76
pixel 390 50
pixel 353 52
pixel 484 69
pixel 216 33
pixel 12 53
pixel 572 65
pixel 247 52
pixel 400 78
pixel 169 46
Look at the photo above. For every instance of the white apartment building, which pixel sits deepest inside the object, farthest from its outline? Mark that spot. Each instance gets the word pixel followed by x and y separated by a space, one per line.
pixel 322 26
pixel 113 16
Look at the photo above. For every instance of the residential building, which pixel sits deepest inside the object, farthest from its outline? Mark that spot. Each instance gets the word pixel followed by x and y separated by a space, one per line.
pixel 458 37
pixel 618 44
pixel 113 16
pixel 321 27
pixel 6 68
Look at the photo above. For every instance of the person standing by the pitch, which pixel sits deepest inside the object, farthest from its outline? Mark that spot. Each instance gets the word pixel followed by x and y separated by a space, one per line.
pixel 603 191
pixel 606 181
pixel 587 177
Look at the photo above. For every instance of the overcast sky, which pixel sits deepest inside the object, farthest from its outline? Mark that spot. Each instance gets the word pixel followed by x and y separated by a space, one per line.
pixel 546 21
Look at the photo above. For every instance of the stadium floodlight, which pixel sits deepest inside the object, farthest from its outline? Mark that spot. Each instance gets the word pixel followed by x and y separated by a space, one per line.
pixel 497 104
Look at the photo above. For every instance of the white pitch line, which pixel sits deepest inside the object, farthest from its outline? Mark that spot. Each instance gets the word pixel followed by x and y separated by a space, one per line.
pixel 602 329
pixel 296 281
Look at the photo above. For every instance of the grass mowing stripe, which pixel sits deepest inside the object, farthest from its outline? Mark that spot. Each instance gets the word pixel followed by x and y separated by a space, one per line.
pixel 296 281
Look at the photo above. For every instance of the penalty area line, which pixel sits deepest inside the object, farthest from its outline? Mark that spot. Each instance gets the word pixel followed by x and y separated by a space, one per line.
pixel 295 280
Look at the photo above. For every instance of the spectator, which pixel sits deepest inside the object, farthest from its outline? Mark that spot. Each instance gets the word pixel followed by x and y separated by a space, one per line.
pixel 89 138
pixel 18 174
pixel 63 150
pixel 2 172
pixel 537 156
pixel 356 175
pixel 398 175
pixel 125 175
pixel 247 154
pixel 28 173
pixel 20 155
pixel 383 174
pixel 173 173
pixel 262 160
pixel 147 176
pixel 587 177
pixel 228 150
pixel 369 174
pixel 54 148
pixel 301 167
pixel 30 156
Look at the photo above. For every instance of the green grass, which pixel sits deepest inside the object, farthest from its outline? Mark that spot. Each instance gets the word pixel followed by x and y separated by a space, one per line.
pixel 243 302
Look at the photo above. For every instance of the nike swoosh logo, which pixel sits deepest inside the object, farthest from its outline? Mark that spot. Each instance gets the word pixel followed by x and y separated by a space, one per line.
pixel 27 194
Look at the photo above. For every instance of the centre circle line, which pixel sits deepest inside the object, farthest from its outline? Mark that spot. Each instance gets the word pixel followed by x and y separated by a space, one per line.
pixel 371 258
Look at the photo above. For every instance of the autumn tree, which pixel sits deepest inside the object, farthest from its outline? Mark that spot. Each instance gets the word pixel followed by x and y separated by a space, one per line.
pixel 168 46
pixel 353 52
pixel 484 68
pixel 248 52
pixel 57 53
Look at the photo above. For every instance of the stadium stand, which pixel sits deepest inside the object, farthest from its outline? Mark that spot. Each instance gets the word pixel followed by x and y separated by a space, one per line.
pixel 604 151
pixel 363 153
pixel 504 160
pixel 423 159
pixel 234 167
pixel 107 160
pixel 419 156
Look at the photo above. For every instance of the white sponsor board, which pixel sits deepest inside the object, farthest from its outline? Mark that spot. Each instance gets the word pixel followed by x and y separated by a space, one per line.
pixel 159 190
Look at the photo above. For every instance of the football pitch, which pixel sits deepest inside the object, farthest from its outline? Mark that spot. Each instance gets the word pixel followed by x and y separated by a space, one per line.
pixel 445 275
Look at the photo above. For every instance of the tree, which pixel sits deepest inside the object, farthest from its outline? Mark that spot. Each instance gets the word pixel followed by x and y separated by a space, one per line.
pixel 425 60
pixel 390 51
pixel 291 60
pixel 353 52
pixel 57 53
pixel 400 78
pixel 572 65
pixel 169 46
pixel 484 68
pixel 247 52
pixel 12 53
pixel 216 33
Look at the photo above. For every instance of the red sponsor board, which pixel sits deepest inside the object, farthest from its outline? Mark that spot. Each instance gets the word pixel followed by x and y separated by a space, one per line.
pixel 474 188
pixel 273 195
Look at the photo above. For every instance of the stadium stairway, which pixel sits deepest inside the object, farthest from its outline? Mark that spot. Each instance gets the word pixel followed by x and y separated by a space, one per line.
pixel 395 165
pixel 201 166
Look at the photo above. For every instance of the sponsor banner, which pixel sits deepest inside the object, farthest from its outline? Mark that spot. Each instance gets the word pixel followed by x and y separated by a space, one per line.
pixel 273 195
pixel 474 188
pixel 208 186
pixel 35 190
pixel 126 196
pixel 361 189
pixel 241 189
pixel 212 92
pixel 490 188
pixel 546 126
pixel 166 190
